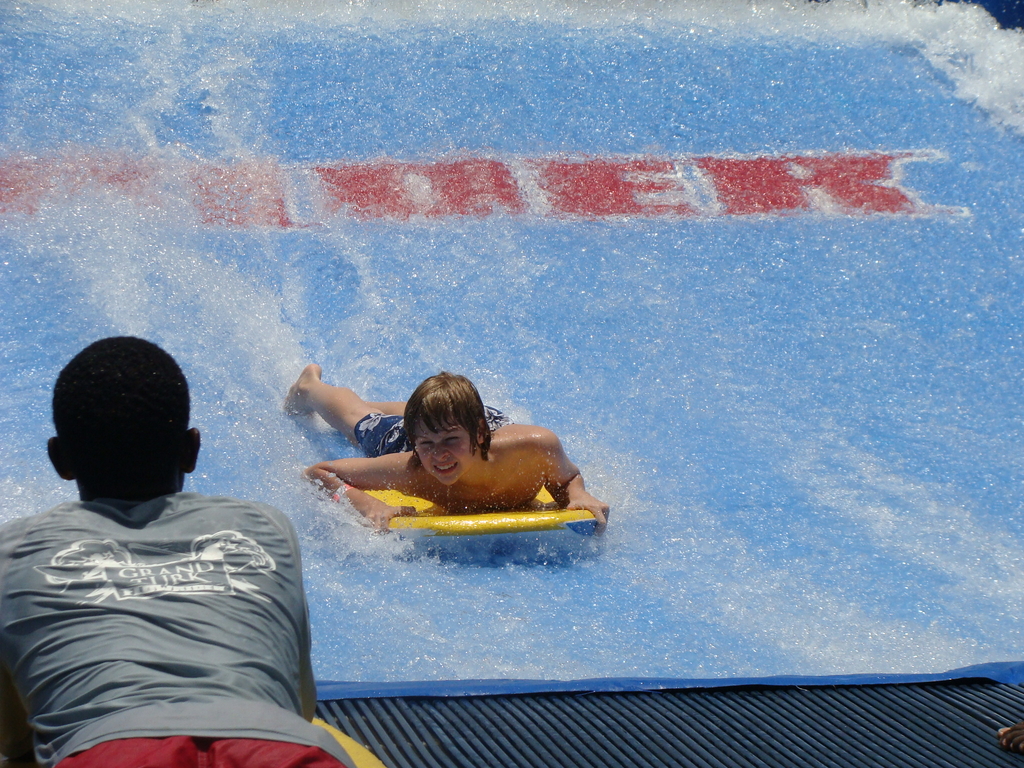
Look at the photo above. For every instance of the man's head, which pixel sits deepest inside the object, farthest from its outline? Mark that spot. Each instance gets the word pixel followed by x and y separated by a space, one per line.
pixel 121 410
pixel 448 400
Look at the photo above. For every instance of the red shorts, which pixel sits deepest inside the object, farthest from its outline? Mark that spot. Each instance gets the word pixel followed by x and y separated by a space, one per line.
pixel 195 752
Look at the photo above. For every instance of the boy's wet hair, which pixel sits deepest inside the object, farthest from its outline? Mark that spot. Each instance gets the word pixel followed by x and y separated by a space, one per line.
pixel 121 409
pixel 444 401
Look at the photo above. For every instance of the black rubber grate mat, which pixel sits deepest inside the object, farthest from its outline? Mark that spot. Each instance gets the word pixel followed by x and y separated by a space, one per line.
pixel 935 725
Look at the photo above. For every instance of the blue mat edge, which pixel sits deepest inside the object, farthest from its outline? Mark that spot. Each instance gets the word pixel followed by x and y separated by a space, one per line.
pixel 1008 672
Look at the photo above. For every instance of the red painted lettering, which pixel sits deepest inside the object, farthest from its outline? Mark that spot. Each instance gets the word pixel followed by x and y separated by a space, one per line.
pixel 128 176
pixel 256 193
pixel 247 194
pixel 592 188
pixel 856 183
pixel 368 190
pixel 754 185
pixel 472 187
pixel 23 184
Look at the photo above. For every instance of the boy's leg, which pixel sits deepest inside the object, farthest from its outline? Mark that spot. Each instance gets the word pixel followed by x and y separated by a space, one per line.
pixel 393 408
pixel 338 406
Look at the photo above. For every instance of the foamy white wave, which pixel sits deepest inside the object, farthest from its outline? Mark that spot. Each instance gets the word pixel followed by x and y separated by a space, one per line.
pixel 985 63
pixel 225 329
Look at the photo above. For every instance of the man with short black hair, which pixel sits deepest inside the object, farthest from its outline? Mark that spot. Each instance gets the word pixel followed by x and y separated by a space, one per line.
pixel 142 625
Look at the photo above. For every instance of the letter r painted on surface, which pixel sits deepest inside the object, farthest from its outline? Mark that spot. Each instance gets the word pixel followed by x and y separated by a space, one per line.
pixel 838 184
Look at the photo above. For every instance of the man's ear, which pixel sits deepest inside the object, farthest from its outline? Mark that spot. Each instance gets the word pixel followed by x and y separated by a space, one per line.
pixel 481 430
pixel 58 459
pixel 190 443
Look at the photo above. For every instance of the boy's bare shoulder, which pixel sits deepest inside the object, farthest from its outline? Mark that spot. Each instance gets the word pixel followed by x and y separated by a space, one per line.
pixel 524 437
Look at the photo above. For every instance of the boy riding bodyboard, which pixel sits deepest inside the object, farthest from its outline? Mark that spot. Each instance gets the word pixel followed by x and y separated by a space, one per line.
pixel 443 445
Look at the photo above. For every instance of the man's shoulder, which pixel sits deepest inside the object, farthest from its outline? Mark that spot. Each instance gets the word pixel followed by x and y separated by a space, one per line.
pixel 16 527
pixel 137 515
pixel 188 500
pixel 11 527
pixel 199 503
pixel 12 531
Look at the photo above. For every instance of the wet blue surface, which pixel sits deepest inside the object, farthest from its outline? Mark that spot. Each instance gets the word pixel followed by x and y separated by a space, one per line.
pixel 808 426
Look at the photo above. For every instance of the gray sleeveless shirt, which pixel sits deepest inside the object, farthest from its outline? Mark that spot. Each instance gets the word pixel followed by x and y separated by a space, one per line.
pixel 181 616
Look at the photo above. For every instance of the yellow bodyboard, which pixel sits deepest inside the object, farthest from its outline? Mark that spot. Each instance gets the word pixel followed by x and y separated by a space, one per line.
pixel 426 524
pixel 362 757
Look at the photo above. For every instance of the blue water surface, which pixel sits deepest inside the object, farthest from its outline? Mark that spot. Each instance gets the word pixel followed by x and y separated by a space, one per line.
pixel 808 426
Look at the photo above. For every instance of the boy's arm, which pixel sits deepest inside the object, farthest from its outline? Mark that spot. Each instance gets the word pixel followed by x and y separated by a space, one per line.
pixel 15 733
pixel 347 476
pixel 565 483
pixel 579 498
pixel 373 509
pixel 392 471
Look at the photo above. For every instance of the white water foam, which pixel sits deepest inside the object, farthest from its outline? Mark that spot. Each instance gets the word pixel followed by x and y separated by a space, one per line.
pixel 985 62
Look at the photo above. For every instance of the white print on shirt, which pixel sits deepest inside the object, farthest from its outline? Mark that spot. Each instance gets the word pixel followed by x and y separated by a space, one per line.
pixel 124 572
